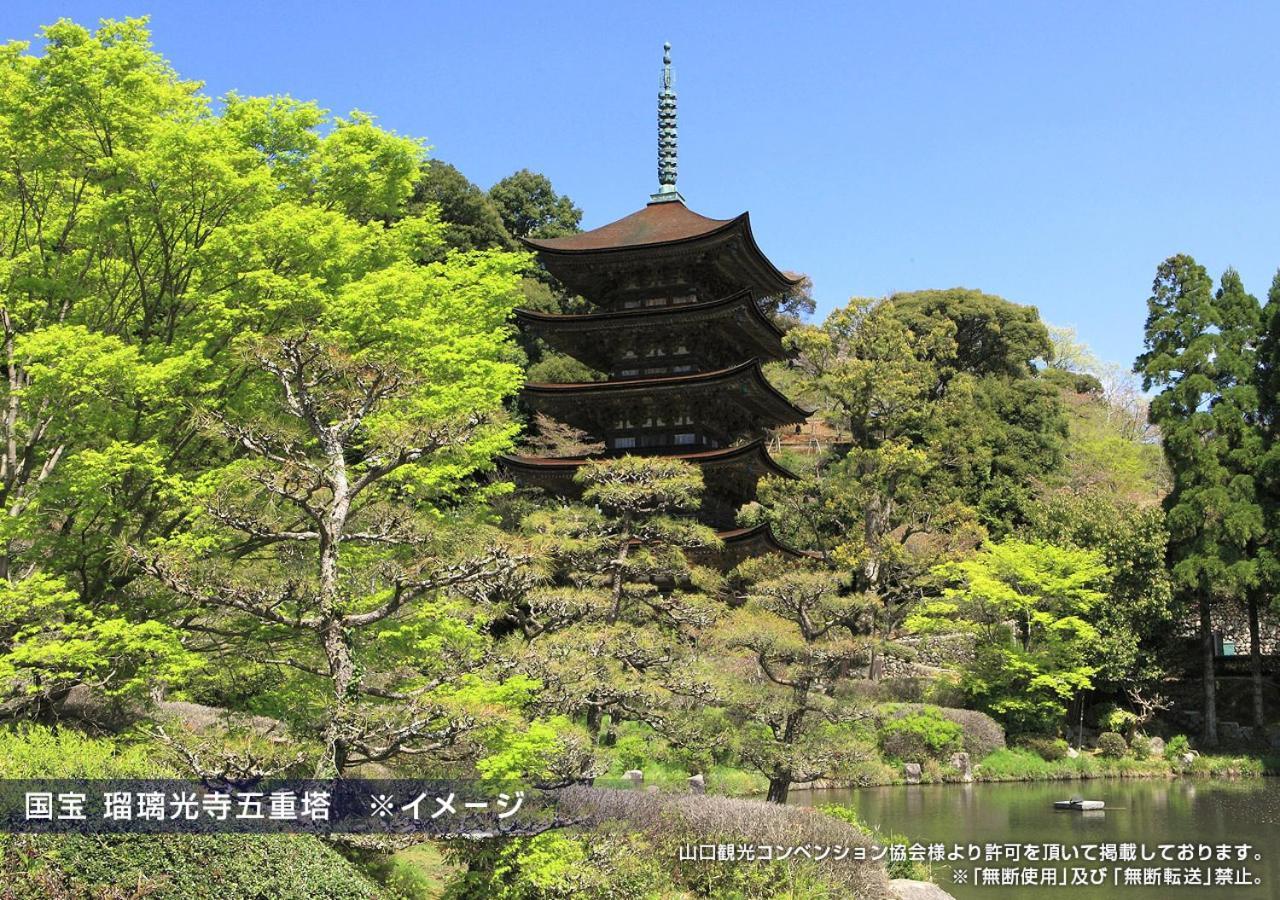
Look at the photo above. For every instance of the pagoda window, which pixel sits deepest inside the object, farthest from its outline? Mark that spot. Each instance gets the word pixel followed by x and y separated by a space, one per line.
pixel 625 372
pixel 687 298
pixel 629 353
pixel 685 439
pixel 652 440
pixel 623 443
pixel 682 419
pixel 656 301
pixel 656 351
pixel 631 304
pixel 684 368
pixel 681 349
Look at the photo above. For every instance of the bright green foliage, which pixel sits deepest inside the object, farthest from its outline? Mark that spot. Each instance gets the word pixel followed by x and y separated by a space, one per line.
pixel 152 247
pixel 783 657
pixel 256 266
pixel 1137 624
pixel 180 867
pixel 1031 608
pixel 530 207
pixel 53 642
pixel 35 751
pixel 948 427
pixel 1176 746
pixel 918 734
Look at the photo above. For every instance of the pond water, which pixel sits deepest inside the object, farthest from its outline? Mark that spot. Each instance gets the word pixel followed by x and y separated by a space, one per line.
pixel 1143 812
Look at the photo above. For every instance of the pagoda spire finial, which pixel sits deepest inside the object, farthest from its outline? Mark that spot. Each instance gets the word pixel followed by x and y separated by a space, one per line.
pixel 666 133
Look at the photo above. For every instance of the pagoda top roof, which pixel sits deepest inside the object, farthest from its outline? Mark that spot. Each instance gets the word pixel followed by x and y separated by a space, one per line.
pixel 656 223
pixel 660 229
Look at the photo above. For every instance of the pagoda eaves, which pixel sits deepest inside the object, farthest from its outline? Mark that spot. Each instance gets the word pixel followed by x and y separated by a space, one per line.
pixel 601 264
pixel 715 333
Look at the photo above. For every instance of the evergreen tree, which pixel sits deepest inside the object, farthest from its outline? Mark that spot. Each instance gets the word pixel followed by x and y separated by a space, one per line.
pixel 530 206
pixel 606 629
pixel 1200 350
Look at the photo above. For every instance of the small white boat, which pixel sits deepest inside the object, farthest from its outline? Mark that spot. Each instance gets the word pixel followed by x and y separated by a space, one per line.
pixel 1078 804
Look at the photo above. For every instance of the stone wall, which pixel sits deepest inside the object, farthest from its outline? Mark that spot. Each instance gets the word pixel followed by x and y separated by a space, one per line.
pixel 1231 623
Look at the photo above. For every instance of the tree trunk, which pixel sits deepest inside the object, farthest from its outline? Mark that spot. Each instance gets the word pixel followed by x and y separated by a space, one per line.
pixel 1210 698
pixel 1255 666
pixel 594 714
pixel 342 675
pixel 779 787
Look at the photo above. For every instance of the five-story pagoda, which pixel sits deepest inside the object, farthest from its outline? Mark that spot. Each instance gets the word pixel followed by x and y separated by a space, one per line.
pixel 680 334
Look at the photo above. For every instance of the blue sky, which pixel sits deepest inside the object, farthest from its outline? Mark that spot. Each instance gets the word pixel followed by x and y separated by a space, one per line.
pixel 1049 153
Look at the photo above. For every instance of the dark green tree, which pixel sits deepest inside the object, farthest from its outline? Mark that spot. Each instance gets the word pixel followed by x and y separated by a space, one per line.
pixel 471 220
pixel 1200 352
pixel 530 206
pixel 1268 379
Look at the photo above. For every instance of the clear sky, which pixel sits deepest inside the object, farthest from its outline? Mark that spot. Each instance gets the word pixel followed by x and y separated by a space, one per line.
pixel 1049 153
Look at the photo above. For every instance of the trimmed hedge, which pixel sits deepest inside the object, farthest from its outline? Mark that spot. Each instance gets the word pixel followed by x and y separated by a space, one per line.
pixel 192 867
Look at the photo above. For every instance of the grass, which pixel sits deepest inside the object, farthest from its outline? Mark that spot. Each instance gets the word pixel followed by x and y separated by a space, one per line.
pixel 1024 765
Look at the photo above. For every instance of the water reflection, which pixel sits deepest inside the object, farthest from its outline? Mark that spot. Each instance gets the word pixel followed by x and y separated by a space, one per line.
pixel 1151 812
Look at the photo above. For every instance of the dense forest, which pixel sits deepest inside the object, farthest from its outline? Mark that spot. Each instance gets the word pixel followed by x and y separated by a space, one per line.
pixel 260 367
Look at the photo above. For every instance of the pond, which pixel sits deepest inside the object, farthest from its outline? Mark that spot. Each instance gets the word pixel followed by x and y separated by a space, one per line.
pixel 1150 812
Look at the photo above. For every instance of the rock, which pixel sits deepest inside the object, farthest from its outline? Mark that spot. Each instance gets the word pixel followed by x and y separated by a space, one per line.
pixel 1188 758
pixel 1072 753
pixel 635 776
pixel 911 771
pixel 905 889
pixel 1157 746
pixel 86 706
pixel 967 778
pixel 698 784
pixel 960 762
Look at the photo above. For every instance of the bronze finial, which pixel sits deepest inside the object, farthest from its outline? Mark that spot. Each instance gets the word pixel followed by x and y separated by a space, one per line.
pixel 666 133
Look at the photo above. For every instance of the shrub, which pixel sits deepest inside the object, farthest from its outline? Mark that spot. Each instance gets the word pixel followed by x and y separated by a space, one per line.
pixel 628 848
pixel 1050 749
pixel 630 752
pixel 981 736
pixel 945 692
pixel 1140 746
pixel 902 690
pixel 172 866
pixel 34 751
pixel 920 734
pixel 1112 745
pixel 1176 746
pixel 1110 717
pixel 901 868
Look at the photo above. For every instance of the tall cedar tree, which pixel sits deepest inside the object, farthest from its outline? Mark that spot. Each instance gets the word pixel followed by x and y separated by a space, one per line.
pixel 1200 350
